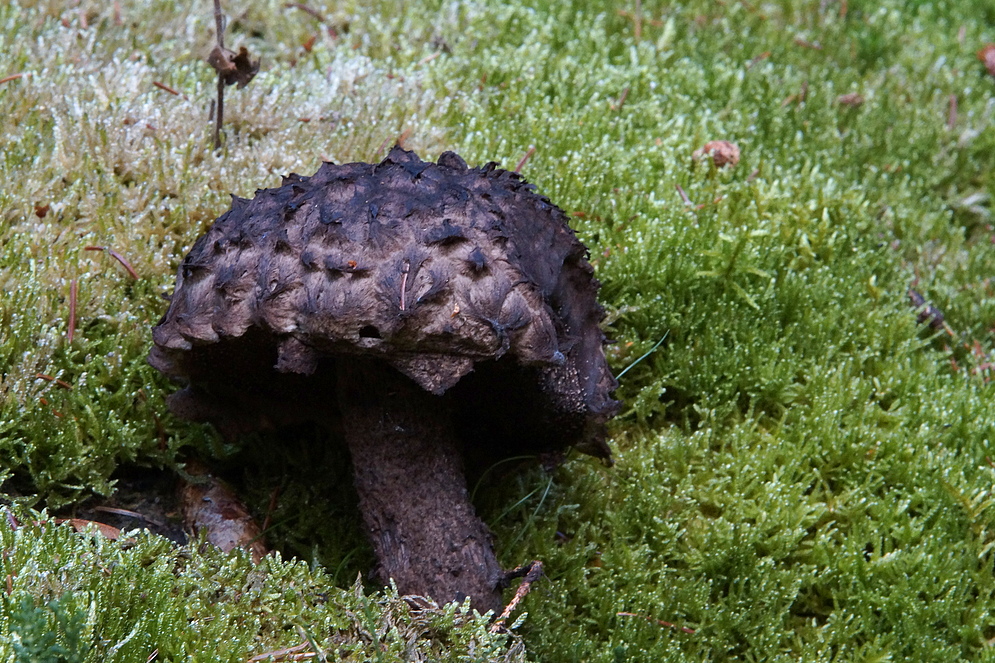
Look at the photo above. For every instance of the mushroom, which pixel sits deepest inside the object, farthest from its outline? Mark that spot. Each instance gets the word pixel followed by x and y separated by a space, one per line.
pixel 424 310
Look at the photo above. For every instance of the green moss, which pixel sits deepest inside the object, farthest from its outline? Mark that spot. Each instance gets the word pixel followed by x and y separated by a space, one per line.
pixel 79 597
pixel 803 471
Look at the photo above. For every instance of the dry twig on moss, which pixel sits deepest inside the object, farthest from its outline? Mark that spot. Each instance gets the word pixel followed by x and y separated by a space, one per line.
pixel 233 68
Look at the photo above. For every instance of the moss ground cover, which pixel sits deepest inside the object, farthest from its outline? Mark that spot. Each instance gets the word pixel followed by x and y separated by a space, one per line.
pixel 803 472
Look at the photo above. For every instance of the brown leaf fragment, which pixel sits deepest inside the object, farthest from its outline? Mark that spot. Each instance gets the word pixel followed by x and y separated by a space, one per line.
pixel 851 100
pixel 41 211
pixel 814 45
pixel 233 67
pixel 684 629
pixel 987 56
pixel 81 525
pixel 209 504
pixel 758 59
pixel 722 152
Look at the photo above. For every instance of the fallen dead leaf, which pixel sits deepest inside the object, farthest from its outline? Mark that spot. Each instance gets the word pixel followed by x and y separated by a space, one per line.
pixel 987 56
pixel 209 504
pixel 233 67
pixel 722 152
pixel 81 525
pixel 852 99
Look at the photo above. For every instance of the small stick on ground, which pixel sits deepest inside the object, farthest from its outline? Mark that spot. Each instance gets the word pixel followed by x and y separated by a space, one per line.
pixel 117 256
pixel 288 654
pixel 58 382
pixel 73 292
pixel 166 88
pixel 637 19
pixel 125 512
pixel 531 573
pixel 273 497
pixel 427 59
pixel 307 10
pixel 524 159
pixel 617 105
pixel 382 145
pixel 219 24
pixel 684 196
pixel 12 77
pixel 11 521
pixel 653 620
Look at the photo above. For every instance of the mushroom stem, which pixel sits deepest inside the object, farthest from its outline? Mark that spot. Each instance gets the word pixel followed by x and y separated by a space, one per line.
pixel 408 470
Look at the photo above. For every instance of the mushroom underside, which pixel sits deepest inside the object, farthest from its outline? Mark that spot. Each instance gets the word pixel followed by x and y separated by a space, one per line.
pixel 409 447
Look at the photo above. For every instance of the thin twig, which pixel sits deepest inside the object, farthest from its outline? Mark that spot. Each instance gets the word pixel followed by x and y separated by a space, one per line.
pixel 117 256
pixel 219 24
pixel 73 292
pixel 12 520
pixel 528 154
pixel 952 112
pixel 382 146
pixel 274 496
pixel 814 45
pixel 402 139
pixel 657 621
pixel 58 382
pixel 277 654
pixel 120 512
pixel 684 196
pixel 307 10
pixel 758 59
pixel 531 572
pixel 12 77
pixel 163 86
pixel 428 58
pixel 617 105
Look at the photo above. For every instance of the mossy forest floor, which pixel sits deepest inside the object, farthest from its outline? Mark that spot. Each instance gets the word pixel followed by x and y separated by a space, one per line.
pixel 803 471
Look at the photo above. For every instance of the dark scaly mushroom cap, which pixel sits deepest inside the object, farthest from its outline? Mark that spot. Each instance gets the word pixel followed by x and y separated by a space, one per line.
pixel 437 269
